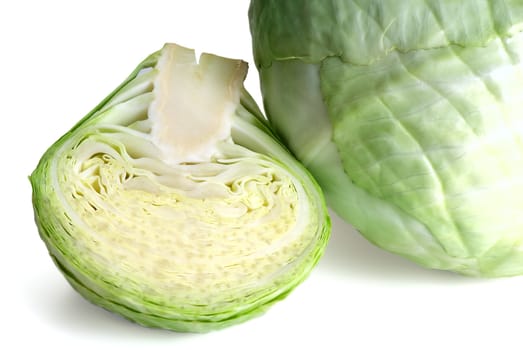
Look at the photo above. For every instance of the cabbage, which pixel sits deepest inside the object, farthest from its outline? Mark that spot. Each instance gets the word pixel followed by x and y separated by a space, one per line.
pixel 409 115
pixel 173 204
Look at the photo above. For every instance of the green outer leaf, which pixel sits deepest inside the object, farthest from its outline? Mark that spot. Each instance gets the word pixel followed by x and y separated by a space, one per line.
pixel 362 31
pixel 57 227
pixel 417 135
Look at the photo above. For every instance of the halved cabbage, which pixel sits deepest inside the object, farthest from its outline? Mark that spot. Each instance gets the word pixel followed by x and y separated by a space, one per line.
pixel 173 204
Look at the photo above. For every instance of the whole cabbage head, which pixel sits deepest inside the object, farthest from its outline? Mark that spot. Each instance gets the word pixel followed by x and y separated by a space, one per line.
pixel 173 204
pixel 410 116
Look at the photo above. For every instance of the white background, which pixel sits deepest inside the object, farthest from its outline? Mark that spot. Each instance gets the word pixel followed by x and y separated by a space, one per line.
pixel 58 60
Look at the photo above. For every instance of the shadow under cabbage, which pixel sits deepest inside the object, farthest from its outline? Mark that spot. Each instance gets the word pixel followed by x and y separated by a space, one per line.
pixel 349 254
pixel 58 304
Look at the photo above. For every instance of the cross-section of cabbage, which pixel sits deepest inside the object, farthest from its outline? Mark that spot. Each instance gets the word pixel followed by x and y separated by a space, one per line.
pixel 173 204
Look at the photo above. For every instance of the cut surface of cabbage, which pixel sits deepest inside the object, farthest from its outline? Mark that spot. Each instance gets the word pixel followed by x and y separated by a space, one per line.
pixel 174 205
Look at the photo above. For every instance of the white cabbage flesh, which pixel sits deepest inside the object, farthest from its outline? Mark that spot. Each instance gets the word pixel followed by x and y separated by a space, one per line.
pixel 174 205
